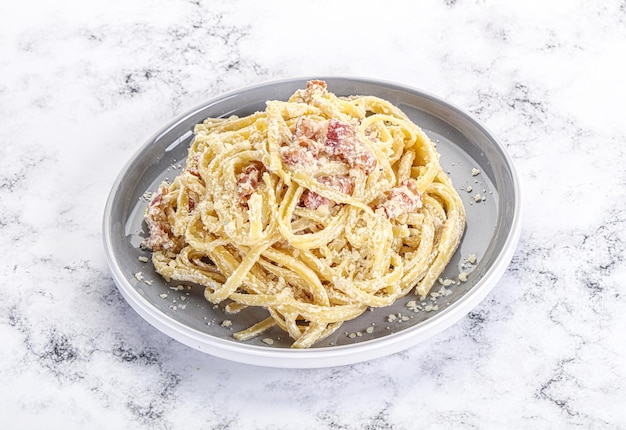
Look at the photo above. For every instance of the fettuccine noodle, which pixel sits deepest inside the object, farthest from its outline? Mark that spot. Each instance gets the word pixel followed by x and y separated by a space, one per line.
pixel 315 209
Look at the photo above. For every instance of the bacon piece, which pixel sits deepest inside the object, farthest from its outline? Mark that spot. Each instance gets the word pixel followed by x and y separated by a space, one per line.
pixel 160 237
pixel 248 180
pixel 343 142
pixel 402 200
pixel 338 136
pixel 298 157
pixel 313 83
pixel 312 87
pixel 309 129
pixel 303 151
pixel 312 200
pixel 333 139
pixel 343 183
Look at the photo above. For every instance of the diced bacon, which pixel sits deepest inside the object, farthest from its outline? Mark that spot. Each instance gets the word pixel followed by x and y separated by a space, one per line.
pixel 298 157
pixel 248 180
pixel 343 142
pixel 342 183
pixel 316 140
pixel 312 200
pixel 160 237
pixel 315 83
pixel 309 129
pixel 303 151
pixel 402 200
pixel 312 87
pixel 339 135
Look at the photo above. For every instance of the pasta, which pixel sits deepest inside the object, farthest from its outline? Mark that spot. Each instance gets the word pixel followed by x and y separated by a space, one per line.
pixel 316 209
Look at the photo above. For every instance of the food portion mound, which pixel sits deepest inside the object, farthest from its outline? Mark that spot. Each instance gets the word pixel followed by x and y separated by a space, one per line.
pixel 314 209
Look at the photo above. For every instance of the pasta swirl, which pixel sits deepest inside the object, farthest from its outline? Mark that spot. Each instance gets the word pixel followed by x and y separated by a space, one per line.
pixel 315 209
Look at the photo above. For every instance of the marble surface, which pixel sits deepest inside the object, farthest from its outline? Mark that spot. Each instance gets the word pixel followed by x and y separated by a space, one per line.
pixel 84 84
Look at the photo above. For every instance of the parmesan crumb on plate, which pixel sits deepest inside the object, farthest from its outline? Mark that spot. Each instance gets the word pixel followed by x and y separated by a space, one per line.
pixel 446 282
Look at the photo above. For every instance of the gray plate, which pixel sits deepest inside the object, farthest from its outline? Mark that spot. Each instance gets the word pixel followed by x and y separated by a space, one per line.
pixel 493 226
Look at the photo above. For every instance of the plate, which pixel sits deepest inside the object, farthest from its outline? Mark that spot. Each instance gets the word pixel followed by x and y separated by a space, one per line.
pixel 472 156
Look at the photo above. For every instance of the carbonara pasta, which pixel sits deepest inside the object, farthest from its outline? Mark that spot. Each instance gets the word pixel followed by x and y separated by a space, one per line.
pixel 315 209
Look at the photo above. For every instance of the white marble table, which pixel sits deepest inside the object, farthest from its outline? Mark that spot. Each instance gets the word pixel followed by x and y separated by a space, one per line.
pixel 83 84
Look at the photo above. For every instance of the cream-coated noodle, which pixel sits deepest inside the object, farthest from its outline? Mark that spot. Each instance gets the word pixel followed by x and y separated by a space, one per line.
pixel 315 209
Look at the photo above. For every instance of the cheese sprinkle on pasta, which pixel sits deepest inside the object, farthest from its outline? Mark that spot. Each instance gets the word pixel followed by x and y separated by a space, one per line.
pixel 316 209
